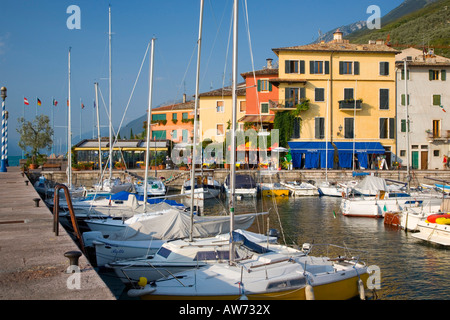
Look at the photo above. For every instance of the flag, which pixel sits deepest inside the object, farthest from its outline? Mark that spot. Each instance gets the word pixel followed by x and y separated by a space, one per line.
pixel 25 101
pixel 82 105
pixel 39 102
pixel 442 107
pixel 55 103
pixel 67 102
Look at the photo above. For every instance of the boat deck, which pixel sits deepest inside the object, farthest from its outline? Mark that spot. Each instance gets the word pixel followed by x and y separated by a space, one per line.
pixel 33 265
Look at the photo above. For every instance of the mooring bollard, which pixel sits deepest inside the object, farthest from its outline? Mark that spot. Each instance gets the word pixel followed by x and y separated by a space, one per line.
pixel 36 201
pixel 73 258
pixel 26 182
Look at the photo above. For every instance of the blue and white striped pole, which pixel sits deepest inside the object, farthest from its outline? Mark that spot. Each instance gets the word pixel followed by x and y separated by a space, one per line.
pixel 3 160
pixel 6 138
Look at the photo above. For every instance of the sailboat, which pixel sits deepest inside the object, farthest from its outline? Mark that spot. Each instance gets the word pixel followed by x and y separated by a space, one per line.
pixel 254 271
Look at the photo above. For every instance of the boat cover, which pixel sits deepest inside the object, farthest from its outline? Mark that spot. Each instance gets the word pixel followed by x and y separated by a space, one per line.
pixel 176 224
pixel 372 183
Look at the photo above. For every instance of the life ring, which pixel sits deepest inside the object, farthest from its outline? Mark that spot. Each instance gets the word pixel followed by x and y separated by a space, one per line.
pixel 432 218
pixel 443 220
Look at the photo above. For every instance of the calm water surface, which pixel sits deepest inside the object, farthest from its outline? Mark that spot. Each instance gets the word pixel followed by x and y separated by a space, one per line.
pixel 410 269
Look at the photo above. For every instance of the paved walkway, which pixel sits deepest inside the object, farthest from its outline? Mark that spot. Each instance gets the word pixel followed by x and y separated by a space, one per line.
pixel 32 263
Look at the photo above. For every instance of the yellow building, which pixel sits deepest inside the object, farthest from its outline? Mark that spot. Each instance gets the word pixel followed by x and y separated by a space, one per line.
pixel 352 104
pixel 215 112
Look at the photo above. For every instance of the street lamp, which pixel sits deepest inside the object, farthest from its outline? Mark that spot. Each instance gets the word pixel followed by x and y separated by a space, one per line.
pixel 3 160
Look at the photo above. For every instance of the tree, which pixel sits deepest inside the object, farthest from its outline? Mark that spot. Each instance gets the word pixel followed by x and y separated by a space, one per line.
pixel 35 135
pixel 284 122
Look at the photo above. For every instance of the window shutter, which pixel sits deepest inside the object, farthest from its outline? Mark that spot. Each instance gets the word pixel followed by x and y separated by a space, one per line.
pixel 311 67
pixel 381 68
pixel 403 99
pixel 302 93
pixel 403 125
pixel 317 128
pixel 327 67
pixel 270 86
pixel 430 74
pixel 302 66
pixel 391 128
pixel 341 67
pixel 356 68
pixel 443 75
pixel 384 99
pixel 259 85
pixel 286 67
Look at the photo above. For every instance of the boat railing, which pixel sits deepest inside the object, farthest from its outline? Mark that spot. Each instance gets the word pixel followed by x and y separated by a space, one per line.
pixel 339 253
pixel 71 211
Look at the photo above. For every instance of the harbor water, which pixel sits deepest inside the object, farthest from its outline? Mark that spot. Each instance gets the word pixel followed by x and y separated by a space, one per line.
pixel 409 268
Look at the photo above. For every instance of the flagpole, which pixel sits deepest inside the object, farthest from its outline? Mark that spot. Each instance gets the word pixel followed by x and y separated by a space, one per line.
pixel 23 155
pixel 53 124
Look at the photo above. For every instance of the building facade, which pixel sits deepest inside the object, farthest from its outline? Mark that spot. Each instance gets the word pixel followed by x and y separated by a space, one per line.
pixel 350 122
pixel 427 105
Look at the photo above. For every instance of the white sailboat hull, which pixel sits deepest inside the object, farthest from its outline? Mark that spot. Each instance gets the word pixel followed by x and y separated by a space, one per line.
pixel 433 232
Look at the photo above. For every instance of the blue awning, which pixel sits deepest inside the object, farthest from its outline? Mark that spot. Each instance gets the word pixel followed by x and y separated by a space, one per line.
pixel 313 150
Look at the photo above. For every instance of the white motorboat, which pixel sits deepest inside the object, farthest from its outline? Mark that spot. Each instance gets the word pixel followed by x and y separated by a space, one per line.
pixel 155 187
pixel 435 229
pixel 245 186
pixel 113 186
pixel 205 188
pixel 301 188
pixel 180 255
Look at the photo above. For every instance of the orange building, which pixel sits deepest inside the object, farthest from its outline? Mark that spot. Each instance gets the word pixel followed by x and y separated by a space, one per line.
pixel 173 122
pixel 259 94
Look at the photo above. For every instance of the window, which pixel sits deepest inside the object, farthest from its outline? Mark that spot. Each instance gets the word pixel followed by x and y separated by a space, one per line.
pixel 220 106
pixel 174 116
pixel 319 128
pixel 319 94
pixel 184 115
pixel 219 129
pixel 174 134
pixel 348 93
pixel 384 99
pixel 402 153
pixel 185 135
pixel 436 99
pixel 264 85
pixel 294 66
pixel 433 74
pixel 264 107
pixel 387 128
pixel 159 134
pixel 436 153
pixel 436 128
pixel 403 74
pixel 403 125
pixel 349 67
pixel 156 117
pixel 384 68
pixel 242 106
pixel 319 67
pixel 349 128
pixel 294 96
pixel 403 100
pixel 296 129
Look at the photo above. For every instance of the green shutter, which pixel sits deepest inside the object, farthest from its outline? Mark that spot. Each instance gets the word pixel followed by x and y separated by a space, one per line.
pixel 259 85
pixel 302 66
pixel 270 86
pixel 341 67
pixel 286 67
pixel 403 99
pixel 327 67
pixel 430 75
pixel 403 125
pixel 311 67
pixel 443 75
pixel 356 68
pixel 436 100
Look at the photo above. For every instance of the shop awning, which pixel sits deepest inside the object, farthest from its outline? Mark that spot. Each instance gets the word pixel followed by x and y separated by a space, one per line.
pixel 258 118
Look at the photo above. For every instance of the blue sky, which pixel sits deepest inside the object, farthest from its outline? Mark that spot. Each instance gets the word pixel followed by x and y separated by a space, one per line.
pixel 34 44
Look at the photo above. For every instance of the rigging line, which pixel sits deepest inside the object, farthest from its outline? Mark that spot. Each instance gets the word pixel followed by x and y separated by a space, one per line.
pixel 227 52
pixel 185 73
pixel 215 38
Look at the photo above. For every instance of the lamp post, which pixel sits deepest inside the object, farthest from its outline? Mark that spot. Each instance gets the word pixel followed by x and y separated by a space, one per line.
pixel 3 160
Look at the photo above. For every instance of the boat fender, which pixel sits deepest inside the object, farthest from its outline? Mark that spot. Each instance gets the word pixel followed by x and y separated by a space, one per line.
pixel 309 292
pixel 362 293
pixel 142 282
pixel 134 293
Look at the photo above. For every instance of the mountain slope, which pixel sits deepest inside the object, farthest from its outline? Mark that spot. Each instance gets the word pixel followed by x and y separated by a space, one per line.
pixel 426 27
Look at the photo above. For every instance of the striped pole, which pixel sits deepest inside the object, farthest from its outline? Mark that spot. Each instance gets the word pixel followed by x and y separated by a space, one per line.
pixel 3 161
pixel 6 138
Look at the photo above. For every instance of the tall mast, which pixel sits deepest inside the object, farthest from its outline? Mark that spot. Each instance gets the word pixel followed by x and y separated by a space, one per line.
pixel 110 99
pixel 233 128
pixel 149 119
pixel 98 130
pixel 194 143
pixel 407 127
pixel 69 133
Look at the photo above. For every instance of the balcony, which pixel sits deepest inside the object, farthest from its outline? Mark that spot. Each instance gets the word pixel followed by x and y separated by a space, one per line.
pixel 283 105
pixel 349 104
pixel 438 136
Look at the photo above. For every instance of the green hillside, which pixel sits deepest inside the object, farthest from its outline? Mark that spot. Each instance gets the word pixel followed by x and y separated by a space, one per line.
pixel 429 26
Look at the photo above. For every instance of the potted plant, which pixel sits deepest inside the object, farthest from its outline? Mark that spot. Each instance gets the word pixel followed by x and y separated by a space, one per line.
pixel 182 166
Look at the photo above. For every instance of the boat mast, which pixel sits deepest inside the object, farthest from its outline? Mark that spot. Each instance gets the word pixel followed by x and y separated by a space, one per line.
pixel 194 143
pixel 110 99
pixel 408 178
pixel 149 119
pixel 98 130
pixel 69 133
pixel 233 128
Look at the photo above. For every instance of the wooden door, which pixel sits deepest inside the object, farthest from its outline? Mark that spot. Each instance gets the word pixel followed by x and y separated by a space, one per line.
pixel 423 160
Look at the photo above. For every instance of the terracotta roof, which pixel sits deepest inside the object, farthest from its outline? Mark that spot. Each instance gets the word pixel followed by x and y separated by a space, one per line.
pixel 226 91
pixel 265 71
pixel 177 106
pixel 340 47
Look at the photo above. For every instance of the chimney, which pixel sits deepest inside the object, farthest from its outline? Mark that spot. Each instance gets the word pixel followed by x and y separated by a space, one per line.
pixel 269 63
pixel 337 36
pixel 184 97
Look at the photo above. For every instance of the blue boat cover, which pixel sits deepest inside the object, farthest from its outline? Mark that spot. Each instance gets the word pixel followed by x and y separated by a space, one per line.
pixel 249 244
